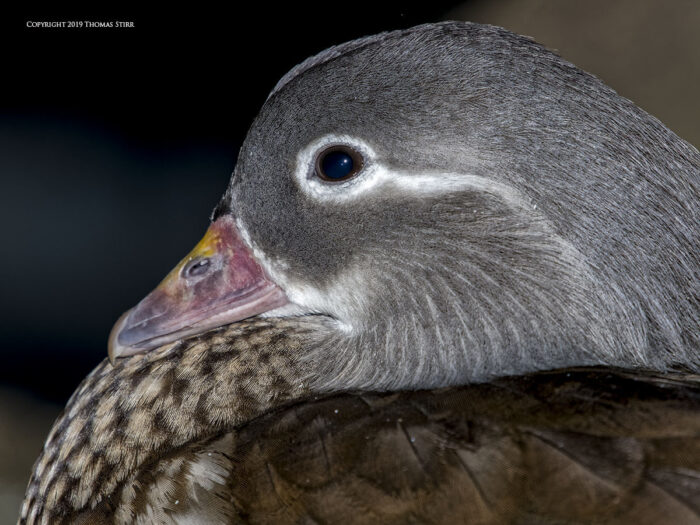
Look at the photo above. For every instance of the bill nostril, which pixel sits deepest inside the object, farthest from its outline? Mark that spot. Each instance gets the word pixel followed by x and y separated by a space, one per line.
pixel 196 267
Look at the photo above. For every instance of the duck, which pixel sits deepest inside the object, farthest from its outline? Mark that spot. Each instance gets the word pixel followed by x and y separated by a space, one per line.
pixel 453 279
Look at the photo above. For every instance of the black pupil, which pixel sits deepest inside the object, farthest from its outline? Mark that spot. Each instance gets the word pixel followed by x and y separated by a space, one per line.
pixel 336 165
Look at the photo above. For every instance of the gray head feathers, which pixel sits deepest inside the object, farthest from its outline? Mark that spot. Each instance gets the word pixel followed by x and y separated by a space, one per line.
pixel 514 212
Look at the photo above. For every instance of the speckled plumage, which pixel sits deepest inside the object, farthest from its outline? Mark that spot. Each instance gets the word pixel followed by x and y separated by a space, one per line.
pixel 122 417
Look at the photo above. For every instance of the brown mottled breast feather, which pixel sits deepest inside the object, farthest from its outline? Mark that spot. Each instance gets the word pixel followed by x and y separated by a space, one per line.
pixel 123 420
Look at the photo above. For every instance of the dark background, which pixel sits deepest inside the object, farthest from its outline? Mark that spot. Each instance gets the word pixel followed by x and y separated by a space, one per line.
pixel 115 145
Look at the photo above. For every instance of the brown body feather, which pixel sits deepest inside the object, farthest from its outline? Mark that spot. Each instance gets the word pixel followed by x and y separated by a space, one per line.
pixel 211 431
pixel 579 446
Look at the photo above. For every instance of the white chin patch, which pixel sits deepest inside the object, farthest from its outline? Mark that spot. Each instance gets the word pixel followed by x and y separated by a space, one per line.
pixel 377 178
pixel 288 310
pixel 305 300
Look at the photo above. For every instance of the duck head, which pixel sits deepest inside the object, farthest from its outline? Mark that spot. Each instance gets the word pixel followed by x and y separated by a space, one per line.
pixel 448 203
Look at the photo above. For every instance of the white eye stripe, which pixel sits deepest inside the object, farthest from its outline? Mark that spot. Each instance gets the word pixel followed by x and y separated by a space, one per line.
pixel 375 175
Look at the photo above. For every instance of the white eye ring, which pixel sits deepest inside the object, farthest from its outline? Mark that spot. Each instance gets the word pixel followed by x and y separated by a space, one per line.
pixel 307 177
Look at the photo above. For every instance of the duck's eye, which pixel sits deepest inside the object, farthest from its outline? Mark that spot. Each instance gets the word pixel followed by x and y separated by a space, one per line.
pixel 338 163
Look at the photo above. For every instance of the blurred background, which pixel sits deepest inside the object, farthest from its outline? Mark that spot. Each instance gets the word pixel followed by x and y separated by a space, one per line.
pixel 115 145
